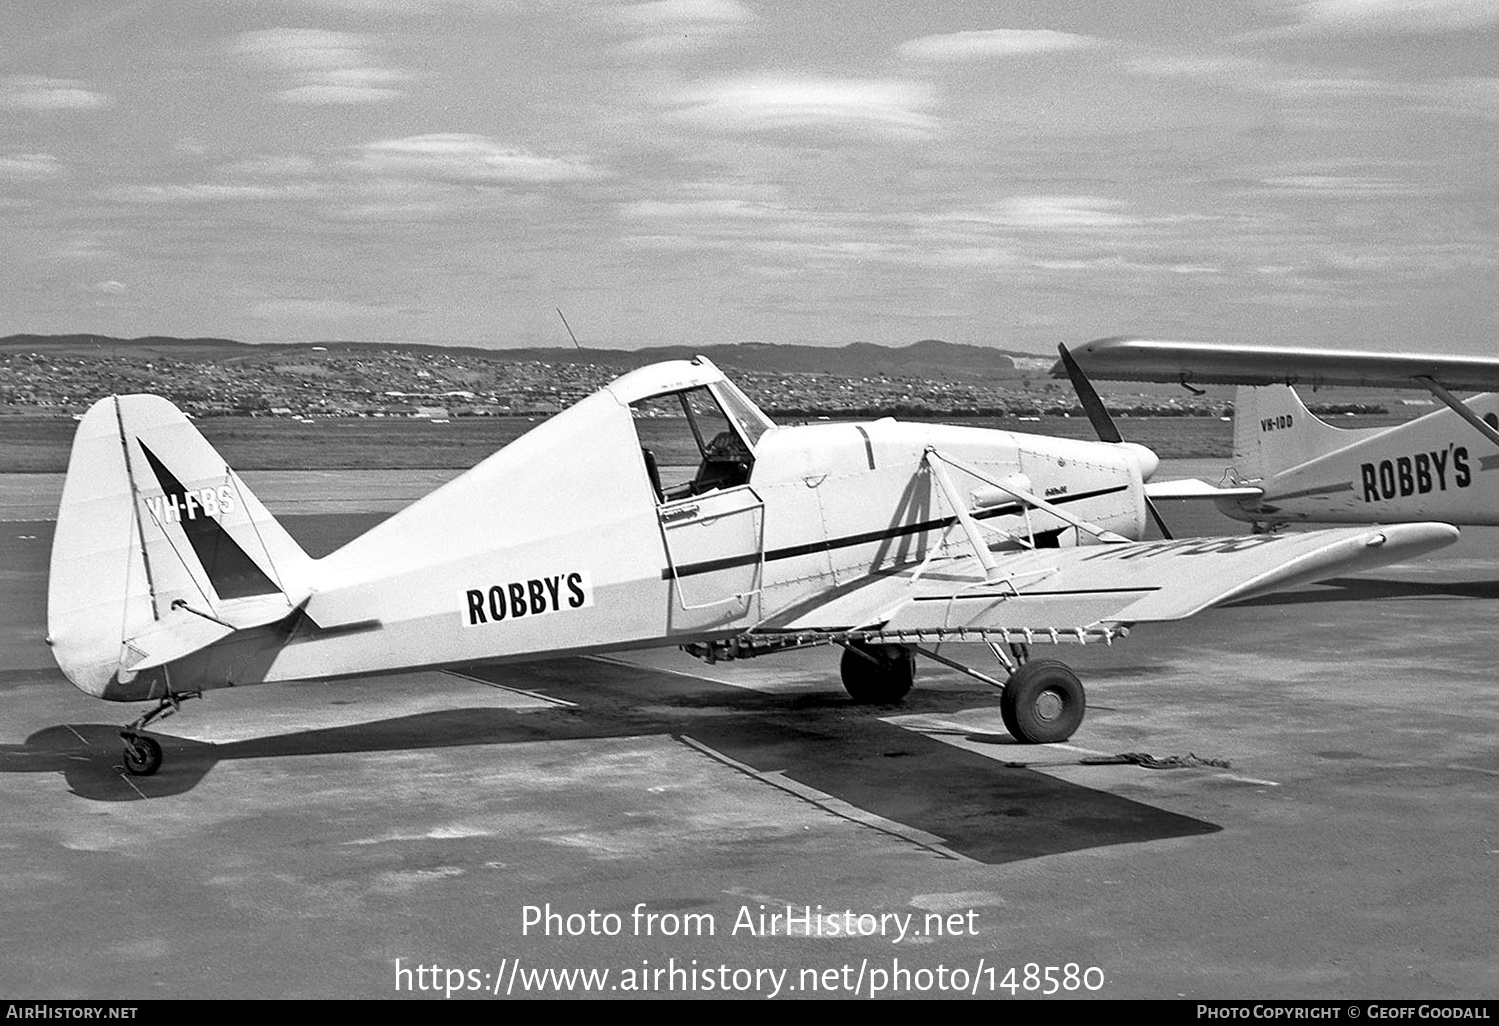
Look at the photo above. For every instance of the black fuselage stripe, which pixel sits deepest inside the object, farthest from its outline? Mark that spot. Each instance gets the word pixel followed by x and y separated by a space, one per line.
pixel 868 445
pixel 708 566
pixel 1305 492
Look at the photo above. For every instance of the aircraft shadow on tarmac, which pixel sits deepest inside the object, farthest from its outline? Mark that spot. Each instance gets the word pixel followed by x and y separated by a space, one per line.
pixel 1365 589
pixel 982 808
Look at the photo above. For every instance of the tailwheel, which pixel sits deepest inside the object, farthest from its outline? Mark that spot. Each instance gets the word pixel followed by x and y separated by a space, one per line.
pixel 878 674
pixel 142 755
pixel 1042 702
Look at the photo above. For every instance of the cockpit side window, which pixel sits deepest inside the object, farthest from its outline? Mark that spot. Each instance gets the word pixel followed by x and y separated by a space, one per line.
pixel 691 444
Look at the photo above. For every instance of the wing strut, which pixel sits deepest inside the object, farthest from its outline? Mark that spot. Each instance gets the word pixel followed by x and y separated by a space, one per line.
pixel 936 656
pixel 1459 407
pixel 935 459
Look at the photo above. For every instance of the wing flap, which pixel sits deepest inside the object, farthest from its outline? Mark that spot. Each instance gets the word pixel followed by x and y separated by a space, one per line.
pixel 1133 582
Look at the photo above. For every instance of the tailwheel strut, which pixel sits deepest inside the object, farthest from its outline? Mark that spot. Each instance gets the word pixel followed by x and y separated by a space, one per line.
pixel 143 754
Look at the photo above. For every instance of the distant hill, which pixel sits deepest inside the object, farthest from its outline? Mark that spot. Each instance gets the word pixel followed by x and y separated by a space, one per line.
pixel 929 358
pixel 95 345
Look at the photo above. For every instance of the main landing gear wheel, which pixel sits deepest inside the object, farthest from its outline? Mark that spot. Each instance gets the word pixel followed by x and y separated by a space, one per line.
pixel 142 755
pixel 878 674
pixel 1042 702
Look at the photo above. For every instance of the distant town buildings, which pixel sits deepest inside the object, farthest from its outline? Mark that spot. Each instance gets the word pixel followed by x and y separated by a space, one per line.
pixel 392 382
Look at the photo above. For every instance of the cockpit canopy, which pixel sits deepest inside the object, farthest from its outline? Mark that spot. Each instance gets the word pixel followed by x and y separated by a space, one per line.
pixel 697 430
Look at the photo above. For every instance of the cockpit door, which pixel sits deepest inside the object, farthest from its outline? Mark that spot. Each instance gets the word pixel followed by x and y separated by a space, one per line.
pixel 715 548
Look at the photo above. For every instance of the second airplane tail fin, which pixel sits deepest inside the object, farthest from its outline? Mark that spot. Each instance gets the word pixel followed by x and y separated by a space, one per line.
pixel 1273 430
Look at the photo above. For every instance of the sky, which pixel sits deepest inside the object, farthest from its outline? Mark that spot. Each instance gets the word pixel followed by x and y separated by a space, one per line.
pixel 1012 174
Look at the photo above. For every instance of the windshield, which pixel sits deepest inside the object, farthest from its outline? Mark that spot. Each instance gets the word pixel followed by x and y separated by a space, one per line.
pixel 745 414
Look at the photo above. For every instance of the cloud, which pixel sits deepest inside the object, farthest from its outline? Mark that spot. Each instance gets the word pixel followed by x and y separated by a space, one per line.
pixel 81 248
pixel 406 180
pixel 773 101
pixel 960 258
pixel 710 209
pixel 314 309
pixel 677 12
pixel 992 43
pixel 206 192
pixel 790 240
pixel 1474 96
pixel 1477 97
pixel 321 67
pixel 400 8
pixel 282 165
pixel 33 92
pixel 1398 15
pixel 1339 186
pixel 28 167
pixel 669 26
pixel 1199 66
pixel 1052 213
pixel 456 157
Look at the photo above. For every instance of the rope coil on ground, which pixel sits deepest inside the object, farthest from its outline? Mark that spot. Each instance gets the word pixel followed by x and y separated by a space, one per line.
pixel 1148 761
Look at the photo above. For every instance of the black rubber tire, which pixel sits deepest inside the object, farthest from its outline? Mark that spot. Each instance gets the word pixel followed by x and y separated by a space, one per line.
pixel 878 674
pixel 1043 702
pixel 142 756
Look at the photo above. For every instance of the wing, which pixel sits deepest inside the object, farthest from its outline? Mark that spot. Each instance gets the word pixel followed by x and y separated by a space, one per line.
pixel 1138 359
pixel 1084 589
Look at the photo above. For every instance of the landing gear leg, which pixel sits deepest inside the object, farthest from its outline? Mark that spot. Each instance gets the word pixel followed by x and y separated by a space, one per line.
pixel 143 754
pixel 1012 656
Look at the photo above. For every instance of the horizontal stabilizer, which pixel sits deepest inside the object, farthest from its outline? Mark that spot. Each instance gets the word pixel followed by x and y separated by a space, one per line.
pixel 1194 488
pixel 184 631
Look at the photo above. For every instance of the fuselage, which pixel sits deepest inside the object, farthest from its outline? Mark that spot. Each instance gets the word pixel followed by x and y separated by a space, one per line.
pixel 567 541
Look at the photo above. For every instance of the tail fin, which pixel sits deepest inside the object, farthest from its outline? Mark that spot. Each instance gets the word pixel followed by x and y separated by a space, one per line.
pixel 1273 430
pixel 159 549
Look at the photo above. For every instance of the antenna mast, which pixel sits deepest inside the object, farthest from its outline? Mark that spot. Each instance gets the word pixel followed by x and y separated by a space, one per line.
pixel 569 328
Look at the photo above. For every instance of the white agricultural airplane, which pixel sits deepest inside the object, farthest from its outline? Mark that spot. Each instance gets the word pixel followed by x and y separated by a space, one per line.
pixel 1291 467
pixel 169 578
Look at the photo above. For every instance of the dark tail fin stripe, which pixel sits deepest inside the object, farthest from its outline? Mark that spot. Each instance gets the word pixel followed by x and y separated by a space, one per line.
pixel 231 571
